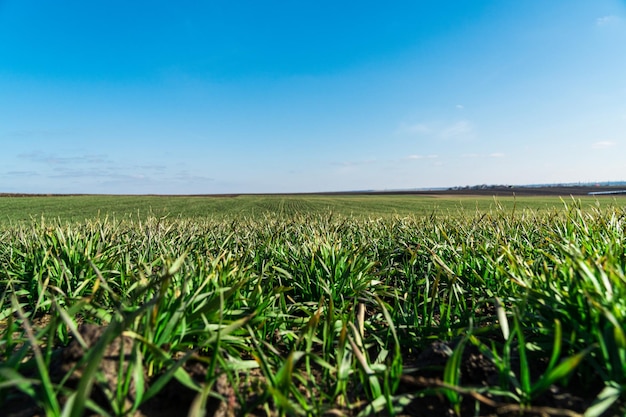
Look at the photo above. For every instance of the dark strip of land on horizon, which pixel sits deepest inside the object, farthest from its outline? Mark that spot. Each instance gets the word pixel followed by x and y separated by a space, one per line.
pixel 525 191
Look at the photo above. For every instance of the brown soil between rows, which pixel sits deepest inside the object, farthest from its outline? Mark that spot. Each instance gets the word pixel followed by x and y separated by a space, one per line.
pixel 425 371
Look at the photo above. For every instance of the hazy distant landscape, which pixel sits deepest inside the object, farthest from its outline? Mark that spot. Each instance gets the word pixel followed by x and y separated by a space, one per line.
pixel 615 187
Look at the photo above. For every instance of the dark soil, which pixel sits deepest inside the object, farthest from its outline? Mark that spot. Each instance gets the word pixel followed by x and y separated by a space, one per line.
pixel 479 372
pixel 424 371
pixel 173 400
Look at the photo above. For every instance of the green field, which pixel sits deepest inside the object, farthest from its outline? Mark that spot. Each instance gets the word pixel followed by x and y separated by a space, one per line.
pixel 81 208
pixel 312 305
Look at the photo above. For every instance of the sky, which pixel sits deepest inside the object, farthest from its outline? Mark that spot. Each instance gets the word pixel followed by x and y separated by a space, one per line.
pixel 204 97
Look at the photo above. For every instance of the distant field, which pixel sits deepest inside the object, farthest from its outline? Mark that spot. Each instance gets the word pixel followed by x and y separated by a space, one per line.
pixel 80 208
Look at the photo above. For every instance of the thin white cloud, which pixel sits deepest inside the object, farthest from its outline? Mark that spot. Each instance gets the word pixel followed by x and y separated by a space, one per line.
pixel 347 164
pixel 188 177
pixel 607 20
pixel 460 106
pixel 603 144
pixel 20 174
pixel 416 156
pixel 54 159
pixel 37 133
pixel 413 129
pixel 477 155
pixel 87 172
pixel 461 128
pixel 457 129
pixel 159 168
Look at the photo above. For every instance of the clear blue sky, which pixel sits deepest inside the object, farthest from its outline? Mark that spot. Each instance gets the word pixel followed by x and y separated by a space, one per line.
pixel 287 96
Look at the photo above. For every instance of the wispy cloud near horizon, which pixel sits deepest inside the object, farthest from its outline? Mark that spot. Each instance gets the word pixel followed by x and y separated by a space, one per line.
pixel 418 128
pixel 55 159
pixel 478 155
pixel 603 144
pixel 458 129
pixel 20 174
pixel 346 164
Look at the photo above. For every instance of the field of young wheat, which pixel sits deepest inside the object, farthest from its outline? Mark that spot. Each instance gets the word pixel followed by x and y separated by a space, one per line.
pixel 312 306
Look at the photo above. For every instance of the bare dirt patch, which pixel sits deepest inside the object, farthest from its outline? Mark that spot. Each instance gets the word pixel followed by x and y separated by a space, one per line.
pixel 426 373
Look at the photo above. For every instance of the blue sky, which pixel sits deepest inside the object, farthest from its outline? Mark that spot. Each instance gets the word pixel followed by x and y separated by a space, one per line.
pixel 301 96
